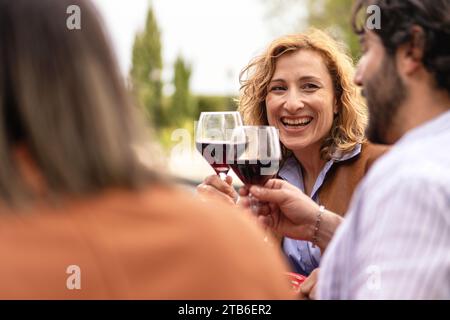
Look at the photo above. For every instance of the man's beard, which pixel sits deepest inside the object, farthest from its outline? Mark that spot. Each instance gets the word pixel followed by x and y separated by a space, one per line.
pixel 384 92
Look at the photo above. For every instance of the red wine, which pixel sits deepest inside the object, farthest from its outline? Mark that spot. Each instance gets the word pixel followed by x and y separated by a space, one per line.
pixel 255 171
pixel 220 155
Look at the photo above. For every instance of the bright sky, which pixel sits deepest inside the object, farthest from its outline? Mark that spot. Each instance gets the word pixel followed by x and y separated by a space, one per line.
pixel 217 37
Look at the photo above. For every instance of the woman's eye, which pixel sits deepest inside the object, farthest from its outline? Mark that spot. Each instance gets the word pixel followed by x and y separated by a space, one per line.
pixel 310 87
pixel 277 88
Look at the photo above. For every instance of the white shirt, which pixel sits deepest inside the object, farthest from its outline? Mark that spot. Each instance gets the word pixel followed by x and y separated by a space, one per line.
pixel 395 240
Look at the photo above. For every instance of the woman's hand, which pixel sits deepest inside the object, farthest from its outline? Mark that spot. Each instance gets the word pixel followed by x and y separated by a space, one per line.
pixel 308 289
pixel 215 188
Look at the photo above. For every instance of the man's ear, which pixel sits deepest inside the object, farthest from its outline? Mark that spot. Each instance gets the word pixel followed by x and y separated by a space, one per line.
pixel 410 54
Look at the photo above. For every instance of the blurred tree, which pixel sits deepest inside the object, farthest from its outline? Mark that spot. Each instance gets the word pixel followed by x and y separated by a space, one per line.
pixel 201 103
pixel 215 103
pixel 335 16
pixel 330 15
pixel 146 71
pixel 182 104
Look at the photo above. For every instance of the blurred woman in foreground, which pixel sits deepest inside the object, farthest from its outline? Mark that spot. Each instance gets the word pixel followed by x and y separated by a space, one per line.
pixel 80 217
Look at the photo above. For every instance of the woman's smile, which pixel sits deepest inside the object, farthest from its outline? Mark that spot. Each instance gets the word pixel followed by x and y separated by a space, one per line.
pixel 296 124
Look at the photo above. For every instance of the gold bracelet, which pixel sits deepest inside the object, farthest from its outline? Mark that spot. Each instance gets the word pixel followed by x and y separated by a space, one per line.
pixel 316 228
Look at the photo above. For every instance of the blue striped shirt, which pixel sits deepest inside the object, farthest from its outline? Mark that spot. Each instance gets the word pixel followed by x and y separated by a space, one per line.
pixel 301 255
pixel 395 240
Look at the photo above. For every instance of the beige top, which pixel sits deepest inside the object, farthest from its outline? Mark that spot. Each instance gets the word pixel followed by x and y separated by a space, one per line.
pixel 153 244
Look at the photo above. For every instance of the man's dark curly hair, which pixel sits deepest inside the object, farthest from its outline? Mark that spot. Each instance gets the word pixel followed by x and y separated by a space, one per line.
pixel 397 19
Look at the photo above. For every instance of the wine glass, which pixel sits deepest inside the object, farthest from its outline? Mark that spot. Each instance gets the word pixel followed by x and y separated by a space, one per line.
pixel 260 159
pixel 217 139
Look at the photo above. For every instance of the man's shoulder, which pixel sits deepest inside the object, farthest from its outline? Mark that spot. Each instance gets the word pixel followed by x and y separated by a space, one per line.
pixel 425 160
pixel 403 176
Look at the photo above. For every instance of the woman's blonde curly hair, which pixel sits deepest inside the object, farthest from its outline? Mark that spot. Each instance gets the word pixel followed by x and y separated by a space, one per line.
pixel 350 122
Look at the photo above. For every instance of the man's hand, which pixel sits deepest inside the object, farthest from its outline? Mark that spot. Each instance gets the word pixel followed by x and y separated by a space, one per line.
pixel 308 289
pixel 287 209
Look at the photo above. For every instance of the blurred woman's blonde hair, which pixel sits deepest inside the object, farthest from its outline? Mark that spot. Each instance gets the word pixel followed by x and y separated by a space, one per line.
pixel 349 123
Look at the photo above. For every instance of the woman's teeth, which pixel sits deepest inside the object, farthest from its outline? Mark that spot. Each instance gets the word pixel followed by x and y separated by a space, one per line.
pixel 296 122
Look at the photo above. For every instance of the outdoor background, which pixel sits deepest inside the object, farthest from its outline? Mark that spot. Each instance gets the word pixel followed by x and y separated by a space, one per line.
pixel 181 57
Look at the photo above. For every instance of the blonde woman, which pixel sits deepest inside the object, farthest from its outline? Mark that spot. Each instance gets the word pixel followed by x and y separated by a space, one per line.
pixel 303 85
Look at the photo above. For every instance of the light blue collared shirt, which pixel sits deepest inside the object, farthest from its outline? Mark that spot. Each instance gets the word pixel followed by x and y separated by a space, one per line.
pixel 395 240
pixel 302 256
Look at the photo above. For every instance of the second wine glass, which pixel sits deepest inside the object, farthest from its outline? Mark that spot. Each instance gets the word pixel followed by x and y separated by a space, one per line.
pixel 260 158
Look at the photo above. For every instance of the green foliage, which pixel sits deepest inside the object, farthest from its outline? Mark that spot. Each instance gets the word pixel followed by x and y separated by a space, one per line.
pixel 166 134
pixel 146 71
pixel 330 15
pixel 335 15
pixel 215 103
pixel 182 105
pixel 182 109
pixel 186 121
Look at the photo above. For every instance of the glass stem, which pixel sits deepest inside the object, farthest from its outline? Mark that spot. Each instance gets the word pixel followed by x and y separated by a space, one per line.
pixel 222 176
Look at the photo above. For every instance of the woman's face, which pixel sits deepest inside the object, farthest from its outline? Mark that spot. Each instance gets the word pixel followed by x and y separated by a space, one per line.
pixel 300 100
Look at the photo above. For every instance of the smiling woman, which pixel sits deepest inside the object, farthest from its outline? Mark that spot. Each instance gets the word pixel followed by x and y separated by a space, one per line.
pixel 322 66
pixel 301 102
pixel 303 85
